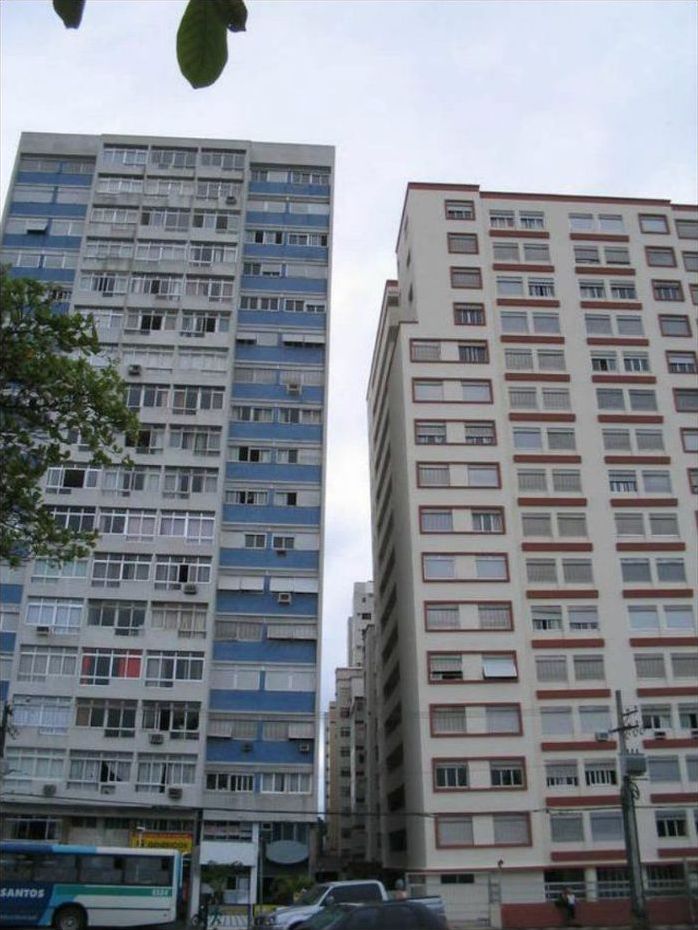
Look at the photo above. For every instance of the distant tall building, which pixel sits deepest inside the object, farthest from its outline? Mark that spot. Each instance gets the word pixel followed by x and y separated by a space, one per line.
pixel 345 746
pixel 173 674
pixel 533 431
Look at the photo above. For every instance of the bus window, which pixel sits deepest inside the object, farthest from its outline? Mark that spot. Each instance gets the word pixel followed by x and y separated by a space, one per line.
pixel 101 870
pixel 148 870
pixel 16 867
pixel 49 868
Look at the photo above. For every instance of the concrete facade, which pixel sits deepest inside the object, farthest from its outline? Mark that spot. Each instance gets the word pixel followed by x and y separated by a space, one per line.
pixel 532 417
pixel 168 685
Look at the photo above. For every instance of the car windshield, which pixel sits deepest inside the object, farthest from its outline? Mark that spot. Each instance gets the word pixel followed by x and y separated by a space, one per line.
pixel 312 895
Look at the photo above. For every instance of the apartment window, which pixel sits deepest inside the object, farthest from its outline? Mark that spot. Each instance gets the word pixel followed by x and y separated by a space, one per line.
pixel 671 824
pixel 460 210
pixel 451 775
pixel 682 362
pixel 600 773
pixel 654 223
pixel 61 614
pixel 101 666
pixel 686 400
pixel 506 251
pixel 689 440
pixel 469 314
pixel 466 277
pixel 672 325
pixel 690 261
pixel 163 669
pixel 125 618
pixel 656 482
pixel 551 668
pixel 561 775
pixel 667 290
pixel 592 290
pixel 541 287
pixel 566 828
pixel 616 256
pixel 425 391
pixel 454 831
pixel 506 774
pixel 536 253
pixel 588 668
pixel 606 826
pixel 663 769
pixel 650 666
pixel 487 521
pixel 472 353
pixel 502 219
pixel 476 392
pixel 463 242
pixel 110 569
pixel 660 256
pixel 586 255
pixel 155 772
pixel 693 480
pixel 116 719
pixel 40 663
pixel 687 229
pixel 634 570
pixel 636 361
pixel 623 291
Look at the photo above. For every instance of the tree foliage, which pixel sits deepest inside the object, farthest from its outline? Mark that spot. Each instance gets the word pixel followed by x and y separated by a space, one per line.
pixel 49 393
pixel 202 41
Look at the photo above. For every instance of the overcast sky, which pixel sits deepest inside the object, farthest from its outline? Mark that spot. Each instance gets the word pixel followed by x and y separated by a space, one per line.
pixel 578 97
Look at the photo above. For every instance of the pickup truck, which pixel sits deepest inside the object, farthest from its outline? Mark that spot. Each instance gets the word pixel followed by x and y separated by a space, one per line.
pixel 317 897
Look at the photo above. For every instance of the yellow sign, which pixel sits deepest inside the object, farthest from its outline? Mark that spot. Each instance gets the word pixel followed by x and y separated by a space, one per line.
pixel 181 841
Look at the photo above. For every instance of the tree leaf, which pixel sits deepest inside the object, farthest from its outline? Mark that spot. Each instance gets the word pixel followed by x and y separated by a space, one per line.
pixel 70 11
pixel 202 43
pixel 233 14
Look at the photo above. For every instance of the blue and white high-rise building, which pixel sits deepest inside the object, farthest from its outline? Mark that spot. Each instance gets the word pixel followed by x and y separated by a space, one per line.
pixel 165 689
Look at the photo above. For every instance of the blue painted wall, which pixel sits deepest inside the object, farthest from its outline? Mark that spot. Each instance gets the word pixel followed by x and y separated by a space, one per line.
pixel 282 285
pixel 230 750
pixel 286 516
pixel 11 593
pixel 265 602
pixel 48 209
pixel 256 218
pixel 252 471
pixel 269 650
pixel 269 559
pixel 283 320
pixel 246 391
pixel 278 701
pixel 313 253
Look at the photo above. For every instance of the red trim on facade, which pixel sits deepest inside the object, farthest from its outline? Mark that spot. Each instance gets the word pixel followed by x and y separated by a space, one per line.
pixel 574 198
pixel 550 459
pixel 629 418
pixel 597 855
pixel 551 501
pixel 671 691
pixel 587 745
pixel 678 852
pixel 527 302
pixel 677 743
pixel 624 379
pixel 637 459
pixel 651 547
pixel 644 502
pixel 603 269
pixel 534 376
pixel 612 341
pixel 531 340
pixel 572 643
pixel 600 800
pixel 547 594
pixel 519 233
pixel 630 593
pixel 598 237
pixel 521 266
pixel 551 694
pixel 675 797
pixel 610 304
pixel 542 417
pixel 557 547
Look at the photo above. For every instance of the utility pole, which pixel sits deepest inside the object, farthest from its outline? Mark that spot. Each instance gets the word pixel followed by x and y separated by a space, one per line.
pixel 5 726
pixel 631 764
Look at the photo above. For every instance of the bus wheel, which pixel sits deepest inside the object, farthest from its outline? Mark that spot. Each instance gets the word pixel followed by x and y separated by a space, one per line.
pixel 70 918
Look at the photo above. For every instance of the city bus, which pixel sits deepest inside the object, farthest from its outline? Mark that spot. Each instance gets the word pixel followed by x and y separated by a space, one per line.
pixel 76 887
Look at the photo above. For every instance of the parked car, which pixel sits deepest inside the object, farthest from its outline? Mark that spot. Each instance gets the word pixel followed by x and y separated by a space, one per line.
pixel 318 898
pixel 388 915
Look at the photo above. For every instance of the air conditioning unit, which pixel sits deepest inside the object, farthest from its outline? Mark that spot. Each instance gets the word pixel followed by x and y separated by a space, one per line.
pixel 43 631
pixel 660 734
pixel 135 370
pixel 280 551
pixel 231 198
pixel 247 747
pixel 694 734
pixel 304 747
pixel 293 387
pixel 107 789
pixel 175 792
pixel 157 739
pixel 189 588
pixel 284 597
pixel 48 791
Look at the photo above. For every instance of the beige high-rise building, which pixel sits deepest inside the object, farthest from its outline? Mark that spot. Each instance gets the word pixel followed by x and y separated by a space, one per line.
pixel 532 407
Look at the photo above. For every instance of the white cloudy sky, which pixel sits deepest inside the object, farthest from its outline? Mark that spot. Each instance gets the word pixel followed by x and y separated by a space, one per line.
pixel 578 97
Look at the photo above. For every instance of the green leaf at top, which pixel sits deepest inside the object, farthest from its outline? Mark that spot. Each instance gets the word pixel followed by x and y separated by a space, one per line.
pixel 202 43
pixel 70 11
pixel 233 13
